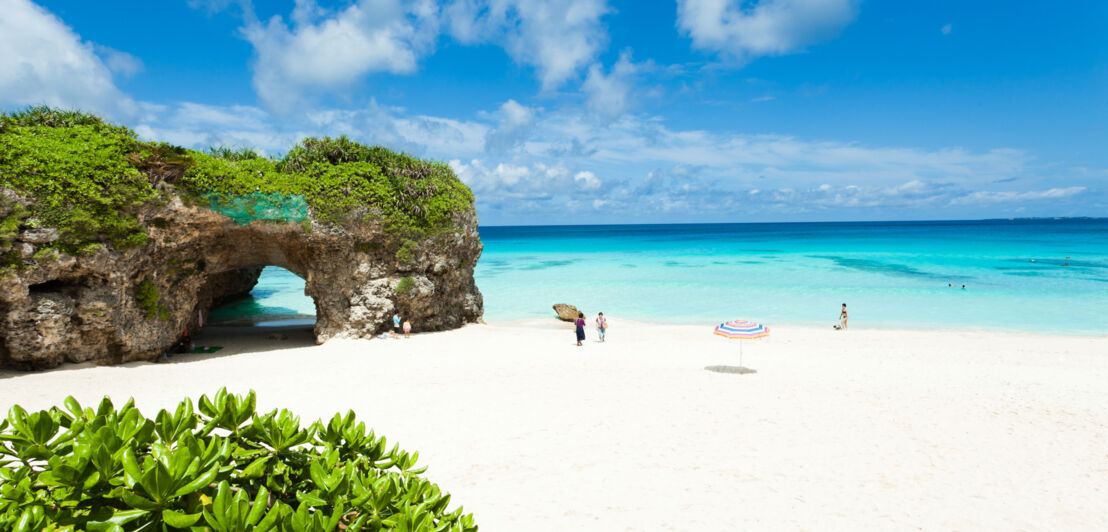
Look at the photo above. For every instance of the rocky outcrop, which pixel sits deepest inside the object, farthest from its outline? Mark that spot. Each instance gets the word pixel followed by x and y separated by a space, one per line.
pixel 566 312
pixel 111 306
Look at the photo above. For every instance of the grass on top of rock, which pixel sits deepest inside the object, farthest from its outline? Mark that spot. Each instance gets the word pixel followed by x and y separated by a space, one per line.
pixel 94 181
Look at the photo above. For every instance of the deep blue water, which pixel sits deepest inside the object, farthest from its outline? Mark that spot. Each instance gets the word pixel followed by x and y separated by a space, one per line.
pixel 1045 275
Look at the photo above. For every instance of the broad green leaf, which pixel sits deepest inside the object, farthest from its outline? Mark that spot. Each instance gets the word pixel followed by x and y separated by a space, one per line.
pixel 200 482
pixel 179 520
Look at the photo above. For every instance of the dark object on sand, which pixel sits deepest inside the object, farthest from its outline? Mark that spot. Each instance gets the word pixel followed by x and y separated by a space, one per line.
pixel 566 312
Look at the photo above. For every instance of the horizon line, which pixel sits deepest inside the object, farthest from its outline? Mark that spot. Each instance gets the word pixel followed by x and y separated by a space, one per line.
pixel 1012 219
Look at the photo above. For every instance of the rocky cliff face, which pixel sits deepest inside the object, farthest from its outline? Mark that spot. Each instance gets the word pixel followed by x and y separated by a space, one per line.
pixel 117 306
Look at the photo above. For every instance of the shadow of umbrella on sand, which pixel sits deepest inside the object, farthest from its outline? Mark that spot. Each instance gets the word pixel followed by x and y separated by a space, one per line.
pixel 739 330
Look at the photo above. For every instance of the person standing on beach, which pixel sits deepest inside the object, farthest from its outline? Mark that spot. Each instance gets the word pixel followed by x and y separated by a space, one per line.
pixel 601 325
pixel 396 324
pixel 842 317
pixel 407 329
pixel 580 323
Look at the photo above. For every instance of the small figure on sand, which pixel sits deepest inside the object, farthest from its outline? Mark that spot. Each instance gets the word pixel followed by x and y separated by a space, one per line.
pixel 185 344
pixel 580 324
pixel 407 329
pixel 601 325
pixel 396 325
pixel 842 318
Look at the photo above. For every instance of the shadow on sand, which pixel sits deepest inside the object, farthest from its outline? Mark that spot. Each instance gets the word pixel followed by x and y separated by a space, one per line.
pixel 233 340
pixel 737 370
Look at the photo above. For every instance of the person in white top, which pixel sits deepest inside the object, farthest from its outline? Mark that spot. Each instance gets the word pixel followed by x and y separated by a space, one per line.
pixel 601 325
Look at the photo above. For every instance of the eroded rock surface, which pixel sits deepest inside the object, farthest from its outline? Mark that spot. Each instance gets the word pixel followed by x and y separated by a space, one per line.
pixel 118 306
pixel 566 312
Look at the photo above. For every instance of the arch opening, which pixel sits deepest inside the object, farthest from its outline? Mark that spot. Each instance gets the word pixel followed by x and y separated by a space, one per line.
pixel 277 300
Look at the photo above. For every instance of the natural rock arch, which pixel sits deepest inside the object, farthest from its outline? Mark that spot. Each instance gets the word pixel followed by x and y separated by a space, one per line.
pixel 114 307
pixel 111 246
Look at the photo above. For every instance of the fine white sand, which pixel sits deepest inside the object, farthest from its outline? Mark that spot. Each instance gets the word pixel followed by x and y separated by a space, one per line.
pixel 867 429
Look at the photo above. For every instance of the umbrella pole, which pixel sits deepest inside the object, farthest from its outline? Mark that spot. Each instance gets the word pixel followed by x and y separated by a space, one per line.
pixel 740 352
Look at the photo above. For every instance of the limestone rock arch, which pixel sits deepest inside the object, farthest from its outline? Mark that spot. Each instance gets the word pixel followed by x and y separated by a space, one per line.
pixel 118 306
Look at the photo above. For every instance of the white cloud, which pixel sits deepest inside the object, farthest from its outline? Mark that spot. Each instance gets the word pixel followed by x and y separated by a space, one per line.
pixel 587 180
pixel 327 52
pixel 947 29
pixel 771 27
pixel 1010 196
pixel 120 63
pixel 45 62
pixel 513 122
pixel 609 95
pixel 557 37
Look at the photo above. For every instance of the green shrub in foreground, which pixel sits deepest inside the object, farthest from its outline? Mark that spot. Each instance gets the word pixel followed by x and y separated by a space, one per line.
pixel 223 468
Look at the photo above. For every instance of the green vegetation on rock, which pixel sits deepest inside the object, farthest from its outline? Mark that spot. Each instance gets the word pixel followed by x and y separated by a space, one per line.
pixel 146 293
pixel 95 182
pixel 82 178
pixel 225 467
pixel 338 178
pixel 405 285
pixel 407 251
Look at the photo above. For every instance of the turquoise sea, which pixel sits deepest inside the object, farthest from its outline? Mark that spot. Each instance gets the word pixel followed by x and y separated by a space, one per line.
pixel 1040 275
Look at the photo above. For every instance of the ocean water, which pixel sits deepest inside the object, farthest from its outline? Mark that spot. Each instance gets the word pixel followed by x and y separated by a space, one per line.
pixel 1038 275
pixel 1045 275
pixel 278 298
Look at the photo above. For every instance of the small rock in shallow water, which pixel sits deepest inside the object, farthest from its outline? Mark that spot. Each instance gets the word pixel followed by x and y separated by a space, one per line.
pixel 566 312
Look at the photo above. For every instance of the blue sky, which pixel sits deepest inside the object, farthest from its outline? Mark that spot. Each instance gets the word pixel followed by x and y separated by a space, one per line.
pixel 595 111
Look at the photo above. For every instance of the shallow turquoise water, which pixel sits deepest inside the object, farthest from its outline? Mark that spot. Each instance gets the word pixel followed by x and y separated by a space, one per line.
pixel 1016 273
pixel 278 294
pixel 891 274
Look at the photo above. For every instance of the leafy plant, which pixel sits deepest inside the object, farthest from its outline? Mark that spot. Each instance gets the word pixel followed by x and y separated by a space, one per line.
pixel 233 154
pixel 46 116
pixel 405 285
pixel 407 251
pixel 146 293
pixel 221 467
pixel 79 176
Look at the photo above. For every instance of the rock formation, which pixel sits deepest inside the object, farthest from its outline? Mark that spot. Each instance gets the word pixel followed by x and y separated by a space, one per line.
pixel 113 304
pixel 566 312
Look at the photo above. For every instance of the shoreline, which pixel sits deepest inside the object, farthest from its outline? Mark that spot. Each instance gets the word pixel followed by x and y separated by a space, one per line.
pixel 811 327
pixel 296 320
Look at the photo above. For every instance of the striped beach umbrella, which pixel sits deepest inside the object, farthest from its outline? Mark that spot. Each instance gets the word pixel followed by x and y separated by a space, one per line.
pixel 741 330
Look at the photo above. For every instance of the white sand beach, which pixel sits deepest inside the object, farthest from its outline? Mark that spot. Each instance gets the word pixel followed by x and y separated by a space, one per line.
pixel 862 430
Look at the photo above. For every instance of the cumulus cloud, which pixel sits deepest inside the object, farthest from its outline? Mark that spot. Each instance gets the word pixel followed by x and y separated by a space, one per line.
pixel 506 181
pixel 556 37
pixel 45 62
pixel 609 95
pixel 587 180
pixel 513 122
pixel 742 32
pixel 320 51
